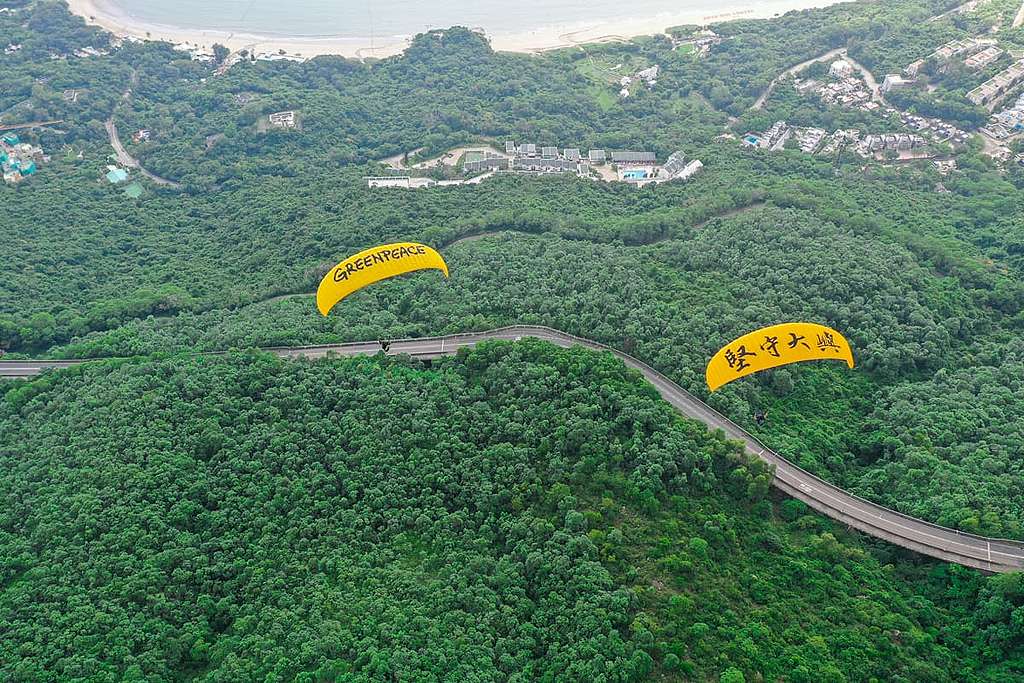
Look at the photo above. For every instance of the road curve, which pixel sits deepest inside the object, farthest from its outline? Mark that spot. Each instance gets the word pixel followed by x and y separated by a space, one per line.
pixel 979 552
pixel 127 160
pixel 792 71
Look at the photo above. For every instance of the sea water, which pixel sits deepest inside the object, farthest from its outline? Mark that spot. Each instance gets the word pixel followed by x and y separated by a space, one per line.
pixel 382 18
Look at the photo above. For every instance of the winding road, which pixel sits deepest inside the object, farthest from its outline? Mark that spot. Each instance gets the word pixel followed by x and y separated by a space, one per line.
pixel 869 78
pixel 128 161
pixel 986 554
pixel 759 102
pixel 123 157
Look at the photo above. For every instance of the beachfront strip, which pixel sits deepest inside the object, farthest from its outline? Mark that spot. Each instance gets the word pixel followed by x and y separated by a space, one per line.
pixel 636 168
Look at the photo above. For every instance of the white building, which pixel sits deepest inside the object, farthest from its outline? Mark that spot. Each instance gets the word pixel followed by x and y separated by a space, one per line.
pixel 894 81
pixel 649 74
pixel 690 169
pixel 913 68
pixel 402 181
pixel 840 69
pixel 283 119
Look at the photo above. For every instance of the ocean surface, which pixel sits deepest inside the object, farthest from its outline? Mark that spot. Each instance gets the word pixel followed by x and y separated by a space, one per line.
pixel 362 18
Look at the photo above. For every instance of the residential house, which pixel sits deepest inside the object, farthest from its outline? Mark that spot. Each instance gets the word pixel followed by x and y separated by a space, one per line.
pixel 282 119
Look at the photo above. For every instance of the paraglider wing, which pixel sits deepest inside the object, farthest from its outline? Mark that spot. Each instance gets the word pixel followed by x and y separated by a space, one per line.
pixel 371 265
pixel 773 346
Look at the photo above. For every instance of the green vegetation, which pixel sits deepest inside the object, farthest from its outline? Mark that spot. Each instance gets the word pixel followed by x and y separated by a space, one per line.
pixel 517 513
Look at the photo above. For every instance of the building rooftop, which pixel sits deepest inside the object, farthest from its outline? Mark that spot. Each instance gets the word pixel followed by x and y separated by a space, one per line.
pixel 675 163
pixel 633 157
pixel 117 175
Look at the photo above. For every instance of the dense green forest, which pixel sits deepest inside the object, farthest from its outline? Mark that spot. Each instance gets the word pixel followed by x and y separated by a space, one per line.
pixel 517 513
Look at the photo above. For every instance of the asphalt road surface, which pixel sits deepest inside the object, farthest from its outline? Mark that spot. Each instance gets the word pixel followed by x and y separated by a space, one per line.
pixel 987 554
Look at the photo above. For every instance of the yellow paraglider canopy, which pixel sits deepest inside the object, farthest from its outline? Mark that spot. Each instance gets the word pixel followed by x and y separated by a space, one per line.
pixel 371 265
pixel 776 345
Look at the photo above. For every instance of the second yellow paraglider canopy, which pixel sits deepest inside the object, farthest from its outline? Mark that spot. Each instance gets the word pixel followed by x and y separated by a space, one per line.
pixel 776 345
pixel 371 265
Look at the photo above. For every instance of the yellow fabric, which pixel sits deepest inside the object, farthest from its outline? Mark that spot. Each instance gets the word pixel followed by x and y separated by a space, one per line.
pixel 371 265
pixel 773 346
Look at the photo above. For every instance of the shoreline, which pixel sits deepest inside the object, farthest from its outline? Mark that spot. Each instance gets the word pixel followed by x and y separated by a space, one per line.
pixel 541 39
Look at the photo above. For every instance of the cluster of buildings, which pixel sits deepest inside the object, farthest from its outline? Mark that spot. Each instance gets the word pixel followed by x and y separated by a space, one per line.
pixel 977 52
pixel 12 48
pixel 701 41
pixel 529 158
pixel 648 76
pixel 629 166
pixel 1008 122
pixel 678 168
pixel 278 56
pixel 977 49
pixel 90 51
pixel 890 142
pixel 818 140
pixel 195 52
pixel 936 129
pixel 200 53
pixel 845 89
pixel 848 90
pixel 18 159
pixel 982 59
pixel 992 91
pixel 637 168
pixel 773 139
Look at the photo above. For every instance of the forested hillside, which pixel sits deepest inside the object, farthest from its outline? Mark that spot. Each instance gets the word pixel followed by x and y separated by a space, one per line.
pixel 879 264
pixel 517 513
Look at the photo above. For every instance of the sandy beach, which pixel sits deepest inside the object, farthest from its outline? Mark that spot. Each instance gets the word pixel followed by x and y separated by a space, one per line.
pixel 100 13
